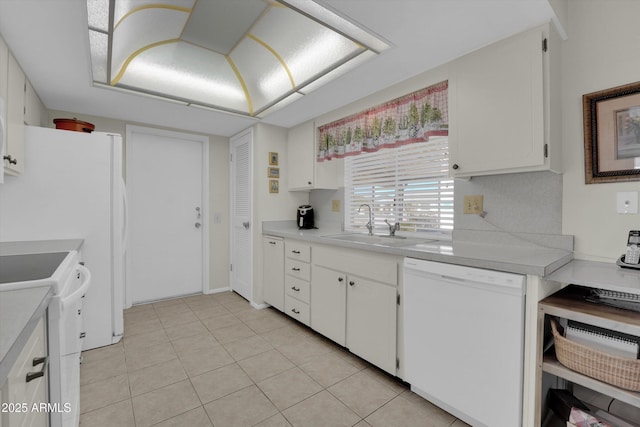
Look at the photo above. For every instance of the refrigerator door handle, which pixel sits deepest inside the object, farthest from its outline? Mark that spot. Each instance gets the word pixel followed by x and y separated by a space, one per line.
pixel 125 214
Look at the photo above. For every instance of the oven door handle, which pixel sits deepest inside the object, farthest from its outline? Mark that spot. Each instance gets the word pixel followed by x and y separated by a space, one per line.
pixel 78 293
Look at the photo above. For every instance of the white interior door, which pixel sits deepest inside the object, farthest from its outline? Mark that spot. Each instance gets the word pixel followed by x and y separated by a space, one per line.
pixel 167 194
pixel 241 212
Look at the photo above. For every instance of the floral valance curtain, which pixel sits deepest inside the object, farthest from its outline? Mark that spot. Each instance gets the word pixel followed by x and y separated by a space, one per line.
pixel 409 119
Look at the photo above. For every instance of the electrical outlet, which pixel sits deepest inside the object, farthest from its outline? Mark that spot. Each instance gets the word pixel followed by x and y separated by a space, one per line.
pixel 335 205
pixel 473 204
pixel 627 202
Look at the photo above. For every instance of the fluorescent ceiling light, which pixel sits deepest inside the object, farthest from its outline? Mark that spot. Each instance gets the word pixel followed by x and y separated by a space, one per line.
pixel 247 57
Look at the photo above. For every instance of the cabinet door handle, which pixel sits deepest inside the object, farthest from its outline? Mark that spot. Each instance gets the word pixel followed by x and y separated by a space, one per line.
pixel 340 279
pixel 11 160
pixel 455 166
pixel 295 289
pixel 351 283
pixel 295 311
pixel 272 243
pixel 295 269
pixel 295 252
pixel 44 361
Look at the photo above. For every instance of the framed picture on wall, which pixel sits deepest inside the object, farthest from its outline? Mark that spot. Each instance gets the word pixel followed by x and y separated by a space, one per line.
pixel 273 158
pixel 273 172
pixel 274 186
pixel 612 134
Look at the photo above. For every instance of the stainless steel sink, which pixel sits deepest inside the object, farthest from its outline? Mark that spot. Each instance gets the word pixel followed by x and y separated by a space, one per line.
pixel 380 240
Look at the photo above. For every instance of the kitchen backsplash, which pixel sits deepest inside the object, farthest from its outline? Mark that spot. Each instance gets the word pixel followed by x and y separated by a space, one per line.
pixel 321 200
pixel 519 203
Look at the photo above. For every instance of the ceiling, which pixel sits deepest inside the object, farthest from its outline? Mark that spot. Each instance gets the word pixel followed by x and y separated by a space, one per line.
pixel 49 39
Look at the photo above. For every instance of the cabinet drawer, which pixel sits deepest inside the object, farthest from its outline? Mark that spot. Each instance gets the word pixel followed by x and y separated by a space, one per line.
pixel 296 309
pixel 298 288
pixel 16 388
pixel 298 269
pixel 297 250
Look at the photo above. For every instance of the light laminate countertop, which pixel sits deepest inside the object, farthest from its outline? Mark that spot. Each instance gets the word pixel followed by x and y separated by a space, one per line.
pixel 526 258
pixel 39 246
pixel 603 275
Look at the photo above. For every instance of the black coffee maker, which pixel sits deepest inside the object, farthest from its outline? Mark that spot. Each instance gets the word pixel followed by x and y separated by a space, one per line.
pixel 305 217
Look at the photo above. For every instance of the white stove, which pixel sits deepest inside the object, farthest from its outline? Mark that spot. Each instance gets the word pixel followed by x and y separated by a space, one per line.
pixel 69 280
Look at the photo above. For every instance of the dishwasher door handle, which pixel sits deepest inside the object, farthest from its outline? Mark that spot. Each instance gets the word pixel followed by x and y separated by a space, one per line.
pixel 455 279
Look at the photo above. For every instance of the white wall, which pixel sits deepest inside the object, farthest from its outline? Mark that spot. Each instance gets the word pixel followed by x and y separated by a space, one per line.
pixel 269 206
pixel 218 187
pixel 603 51
pixel 528 203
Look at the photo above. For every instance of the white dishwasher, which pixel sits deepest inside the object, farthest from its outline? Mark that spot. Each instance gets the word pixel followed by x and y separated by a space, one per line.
pixel 464 340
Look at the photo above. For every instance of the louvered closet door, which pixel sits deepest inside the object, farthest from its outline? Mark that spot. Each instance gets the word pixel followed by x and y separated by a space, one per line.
pixel 241 242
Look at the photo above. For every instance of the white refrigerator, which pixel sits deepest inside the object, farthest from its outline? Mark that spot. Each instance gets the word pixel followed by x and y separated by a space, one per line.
pixel 72 188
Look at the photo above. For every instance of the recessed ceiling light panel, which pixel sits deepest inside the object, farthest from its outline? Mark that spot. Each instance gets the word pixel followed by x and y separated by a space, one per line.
pixel 238 56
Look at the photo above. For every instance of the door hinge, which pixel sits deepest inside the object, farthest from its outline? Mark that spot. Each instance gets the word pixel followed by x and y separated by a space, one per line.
pixel 546 150
pixel 398 299
pixel 544 45
pixel 230 267
pixel 397 363
pixel 231 157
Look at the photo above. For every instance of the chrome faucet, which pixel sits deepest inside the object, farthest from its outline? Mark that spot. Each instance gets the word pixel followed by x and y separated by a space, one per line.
pixel 392 227
pixel 370 223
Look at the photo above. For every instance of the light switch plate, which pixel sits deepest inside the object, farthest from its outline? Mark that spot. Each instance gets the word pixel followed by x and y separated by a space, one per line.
pixel 627 202
pixel 335 206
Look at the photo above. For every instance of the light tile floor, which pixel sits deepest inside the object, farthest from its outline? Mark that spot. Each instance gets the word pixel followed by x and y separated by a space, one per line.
pixel 213 360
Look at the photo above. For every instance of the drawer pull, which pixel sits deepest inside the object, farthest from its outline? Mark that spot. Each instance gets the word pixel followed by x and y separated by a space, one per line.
pixel 44 361
pixel 295 252
pixel 272 243
pixel 351 283
pixel 83 334
pixel 295 289
pixel 295 269
pixel 295 311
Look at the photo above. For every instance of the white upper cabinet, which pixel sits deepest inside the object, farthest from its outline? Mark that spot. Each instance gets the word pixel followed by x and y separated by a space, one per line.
pixel 33 109
pixel 501 102
pixel 14 145
pixel 22 106
pixel 304 172
pixel 4 60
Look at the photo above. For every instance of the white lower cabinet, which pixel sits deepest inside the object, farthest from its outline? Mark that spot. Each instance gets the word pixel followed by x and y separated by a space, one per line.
pixel 297 280
pixel 273 271
pixel 371 321
pixel 354 302
pixel 329 303
pixel 26 385
pixel 349 296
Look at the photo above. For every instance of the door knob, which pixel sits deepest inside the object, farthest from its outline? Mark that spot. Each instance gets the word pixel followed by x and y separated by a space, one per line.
pixel 198 225
pixel 245 225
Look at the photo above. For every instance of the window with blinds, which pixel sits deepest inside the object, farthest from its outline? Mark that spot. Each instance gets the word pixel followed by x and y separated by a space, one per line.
pixel 409 184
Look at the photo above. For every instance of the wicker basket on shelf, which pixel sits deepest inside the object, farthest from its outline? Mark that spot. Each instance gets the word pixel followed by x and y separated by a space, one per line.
pixel 611 369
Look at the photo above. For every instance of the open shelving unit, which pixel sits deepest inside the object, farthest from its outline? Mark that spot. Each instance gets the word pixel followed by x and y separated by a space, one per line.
pixel 569 304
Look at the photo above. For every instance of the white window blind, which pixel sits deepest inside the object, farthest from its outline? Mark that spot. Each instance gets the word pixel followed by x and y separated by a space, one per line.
pixel 408 184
